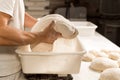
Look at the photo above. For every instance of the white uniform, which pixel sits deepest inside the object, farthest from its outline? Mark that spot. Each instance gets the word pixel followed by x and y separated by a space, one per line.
pixel 9 61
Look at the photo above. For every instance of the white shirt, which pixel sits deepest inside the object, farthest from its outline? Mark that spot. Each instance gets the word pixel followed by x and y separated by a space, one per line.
pixel 15 8
pixel 9 62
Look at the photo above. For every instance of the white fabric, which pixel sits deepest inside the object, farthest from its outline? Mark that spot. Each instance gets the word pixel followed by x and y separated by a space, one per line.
pixel 42 47
pixel 15 8
pixel 62 25
pixel 17 76
pixel 9 62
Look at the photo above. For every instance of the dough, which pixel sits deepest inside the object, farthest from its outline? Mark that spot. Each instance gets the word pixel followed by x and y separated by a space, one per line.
pixel 110 74
pixel 119 62
pixel 114 55
pixel 105 51
pixel 65 45
pixel 25 48
pixel 60 45
pixel 101 63
pixel 98 53
pixel 88 57
pixel 118 51
pixel 42 47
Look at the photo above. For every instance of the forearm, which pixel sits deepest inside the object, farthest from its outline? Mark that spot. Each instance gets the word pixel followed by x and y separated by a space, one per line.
pixel 29 20
pixel 11 35
pixel 6 42
pixel 17 36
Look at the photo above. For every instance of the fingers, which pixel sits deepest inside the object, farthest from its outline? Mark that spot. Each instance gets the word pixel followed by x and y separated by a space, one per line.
pixel 49 34
pixel 59 35
pixel 50 26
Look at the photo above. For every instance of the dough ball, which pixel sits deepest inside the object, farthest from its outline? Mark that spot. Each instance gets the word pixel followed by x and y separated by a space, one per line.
pixel 88 57
pixel 42 47
pixel 114 55
pixel 105 51
pixel 98 53
pixel 110 74
pixel 118 51
pixel 101 63
pixel 119 62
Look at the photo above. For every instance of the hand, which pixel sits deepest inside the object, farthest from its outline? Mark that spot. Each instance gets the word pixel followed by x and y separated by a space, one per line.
pixel 50 35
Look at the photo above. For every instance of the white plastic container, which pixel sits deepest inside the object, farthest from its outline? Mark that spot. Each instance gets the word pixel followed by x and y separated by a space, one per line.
pixel 52 62
pixel 85 28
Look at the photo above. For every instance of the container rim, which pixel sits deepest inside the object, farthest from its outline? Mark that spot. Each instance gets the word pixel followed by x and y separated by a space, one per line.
pixel 27 53
pixel 48 53
pixel 83 26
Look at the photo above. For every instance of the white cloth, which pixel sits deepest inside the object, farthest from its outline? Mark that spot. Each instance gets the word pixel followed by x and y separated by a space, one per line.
pixel 17 76
pixel 9 62
pixel 14 8
pixel 62 25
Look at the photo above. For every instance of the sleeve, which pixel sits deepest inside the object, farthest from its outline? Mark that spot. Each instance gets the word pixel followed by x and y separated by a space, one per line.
pixel 7 6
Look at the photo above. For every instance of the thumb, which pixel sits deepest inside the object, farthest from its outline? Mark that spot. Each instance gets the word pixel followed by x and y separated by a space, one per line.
pixel 50 26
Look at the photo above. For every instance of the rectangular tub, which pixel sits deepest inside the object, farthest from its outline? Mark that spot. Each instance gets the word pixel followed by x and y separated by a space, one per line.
pixel 52 62
pixel 85 28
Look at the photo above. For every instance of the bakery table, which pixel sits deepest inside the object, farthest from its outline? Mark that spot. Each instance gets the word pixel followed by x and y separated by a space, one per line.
pixel 96 42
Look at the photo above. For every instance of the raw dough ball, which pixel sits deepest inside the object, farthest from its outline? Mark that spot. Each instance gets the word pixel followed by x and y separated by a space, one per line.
pixel 88 57
pixel 118 51
pixel 105 51
pixel 119 62
pixel 110 74
pixel 98 53
pixel 42 47
pixel 102 63
pixel 114 55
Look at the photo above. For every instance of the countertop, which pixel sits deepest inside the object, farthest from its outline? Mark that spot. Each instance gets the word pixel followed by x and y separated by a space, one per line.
pixel 96 42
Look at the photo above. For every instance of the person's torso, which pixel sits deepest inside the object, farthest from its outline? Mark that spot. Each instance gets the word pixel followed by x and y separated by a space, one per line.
pixel 18 15
pixel 9 61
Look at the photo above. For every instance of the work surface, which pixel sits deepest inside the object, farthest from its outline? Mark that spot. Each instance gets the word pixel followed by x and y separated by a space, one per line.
pixel 96 42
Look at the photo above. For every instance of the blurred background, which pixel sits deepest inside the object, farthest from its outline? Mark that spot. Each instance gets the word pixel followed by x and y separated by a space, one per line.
pixel 104 13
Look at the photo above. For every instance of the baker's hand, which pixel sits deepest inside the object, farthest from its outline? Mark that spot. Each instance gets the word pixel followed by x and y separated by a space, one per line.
pixel 50 35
